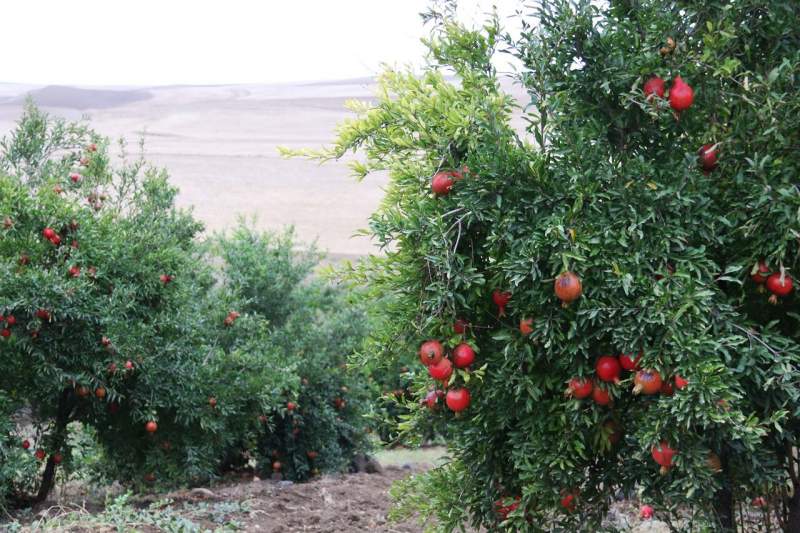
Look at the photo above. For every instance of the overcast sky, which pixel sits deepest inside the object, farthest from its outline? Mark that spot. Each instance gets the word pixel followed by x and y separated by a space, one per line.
pixel 161 42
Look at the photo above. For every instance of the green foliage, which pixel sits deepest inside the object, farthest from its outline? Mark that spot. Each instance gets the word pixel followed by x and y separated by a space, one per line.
pixel 606 184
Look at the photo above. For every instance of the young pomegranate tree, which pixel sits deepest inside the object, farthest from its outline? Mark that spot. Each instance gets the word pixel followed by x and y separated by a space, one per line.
pixel 621 273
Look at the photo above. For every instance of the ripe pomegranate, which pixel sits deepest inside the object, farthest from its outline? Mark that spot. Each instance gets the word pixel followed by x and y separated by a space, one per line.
pixel 165 278
pixel 714 463
pixel 680 382
pixel 526 326
pixel 57 458
pixel 56 241
pixel 463 355
pixel 74 271
pixel 441 183
pixel 75 177
pixel 312 454
pixel 151 426
pixel 432 398
pixel 460 326
pixel 504 510
pixel 340 404
pixel 105 341
pixel 48 233
pixel 707 156
pixel 681 96
pixel 501 299
pixel 760 273
pixel 646 512
pixel 601 396
pixel 39 454
pixel 82 392
pixel 5 333
pixel 128 365
pixel 150 477
pixel 666 388
pixel 779 285
pixel 663 455
pixel 607 369
pixel 291 406
pixel 579 388
pixel 647 382
pixel 276 466
pixel 457 399
pixel 627 361
pixel 11 320
pixel 654 86
pixel 568 502
pixel 43 314
pixel 212 402
pixel 568 288
pixel 759 501
pixel 442 370
pixel 431 352
pixel 26 444
pixel 228 322
pixel 100 393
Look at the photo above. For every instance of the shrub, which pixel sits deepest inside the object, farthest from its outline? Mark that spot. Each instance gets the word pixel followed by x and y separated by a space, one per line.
pixel 606 184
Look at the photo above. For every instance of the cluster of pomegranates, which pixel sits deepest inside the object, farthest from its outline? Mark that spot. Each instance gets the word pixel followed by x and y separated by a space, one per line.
pixel 440 368
pixel 7 322
pixel 780 283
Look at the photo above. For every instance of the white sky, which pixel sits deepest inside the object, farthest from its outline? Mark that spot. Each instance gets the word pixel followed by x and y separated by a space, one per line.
pixel 161 42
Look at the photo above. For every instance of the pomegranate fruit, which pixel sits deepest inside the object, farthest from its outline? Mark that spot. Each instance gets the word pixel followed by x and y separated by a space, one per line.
pixel 151 426
pixel 43 314
pixel 165 278
pixel 100 393
pixel 654 86
pixel 311 454
pixel 579 388
pixel 663 454
pixel 442 370
pixel 680 382
pixel 39 454
pixel 681 95
pixel 607 369
pixel 504 510
pixel 48 233
pixel 457 399
pixel 11 320
pixel 460 326
pixel 666 388
pixel 779 285
pixel 501 300
pixel 290 406
pixel 212 402
pixel 129 365
pixel 463 355
pixel 276 466
pixel 760 273
pixel 627 361
pixel 75 177
pixel 441 183
pixel 5 333
pixel 431 352
pixel 74 271
pixel 526 326
pixel 647 382
pixel 432 398
pixel 568 502
pixel 707 156
pixel 601 396
pixel 568 288
pixel 26 444
pixel 646 512
pixel 57 458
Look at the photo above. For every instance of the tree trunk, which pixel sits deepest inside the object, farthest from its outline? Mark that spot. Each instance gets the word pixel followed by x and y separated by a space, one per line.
pixel 65 405
pixel 723 508
pixel 793 522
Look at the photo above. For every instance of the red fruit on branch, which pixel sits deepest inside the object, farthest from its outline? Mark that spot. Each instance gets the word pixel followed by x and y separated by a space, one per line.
pixel 5 333
pixel 311 454
pixel 663 454
pixel 707 156
pixel 56 241
pixel 460 326
pixel 568 288
pixel 647 382
pixel 74 271
pixel 654 86
pixel 39 454
pixel 75 177
pixel 11 320
pixel 681 95
pixel 779 284
pixel 57 458
pixel 43 314
pixel 607 369
pixel 568 502
pixel 165 278
pixel 290 406
pixel 501 299
pixel 151 426
pixel 129 365
pixel 760 273
pixel 601 396
pixel 666 388
pixel 441 183
pixel 212 402
pixel 432 398
pixel 504 510
pixel 463 355
pixel 26 444
pixel 646 512
pixel 276 466
pixel 113 408
pixel 627 361
pixel 442 370
pixel 100 393
pixel 457 399
pixel 579 388
pixel 431 352
pixel 680 382
pixel 48 233
pixel 526 326
pixel 105 341
pixel 150 477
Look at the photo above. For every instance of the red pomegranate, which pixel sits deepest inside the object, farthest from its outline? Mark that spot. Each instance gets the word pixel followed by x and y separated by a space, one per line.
pixel 312 454
pixel 460 326
pixel 441 183
pixel 39 454
pixel 57 458
pixel 291 406
pixel 707 156
pixel 165 278
pixel 526 326
pixel 74 271
pixel 48 233
pixel 607 369
pixel 568 502
pixel 75 177
pixel 666 388
pixel 26 444
pixel 212 402
pixel 151 426
pixel 431 352
pixel 276 466
pixel 760 273
pixel 442 370
pixel 663 455
pixel 504 510
pixel 680 382
pixel 654 86
pixel 568 288
pixel 501 299
pixel 601 396
pixel 681 96
pixel 646 512
pixel 432 398
pixel 11 320
pixel 627 361
pixel 5 333
pixel 647 382
pixel 779 285
pixel 43 314
pixel 463 355
pixel 457 399
pixel 579 388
